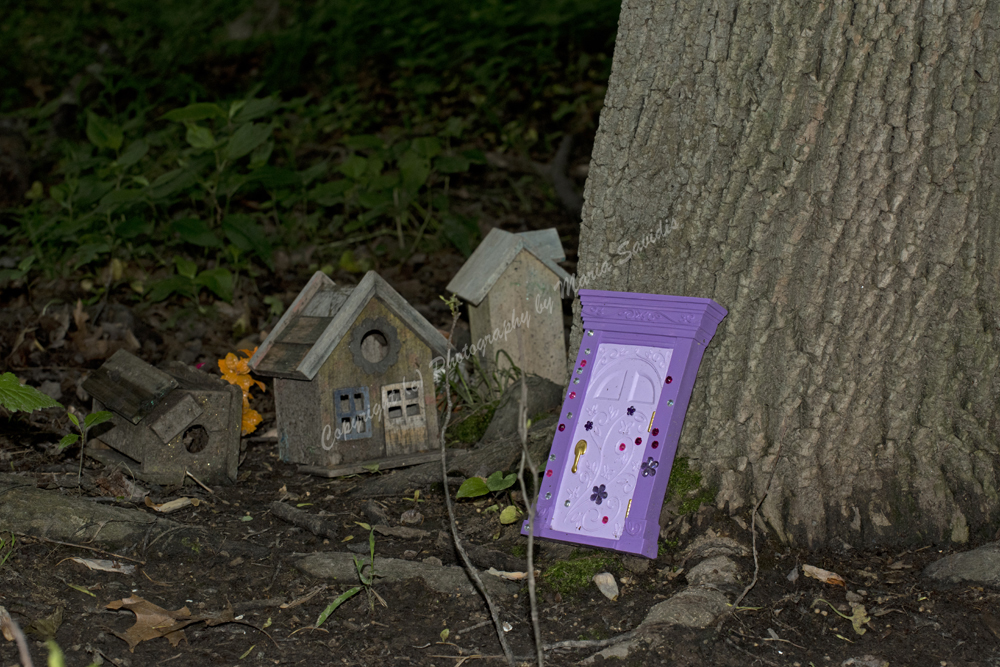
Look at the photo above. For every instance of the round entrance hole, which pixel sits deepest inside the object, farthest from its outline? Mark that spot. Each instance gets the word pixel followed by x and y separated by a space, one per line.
pixel 374 346
pixel 195 439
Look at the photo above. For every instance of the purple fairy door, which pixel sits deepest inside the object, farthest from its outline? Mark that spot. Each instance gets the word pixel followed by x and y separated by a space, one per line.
pixel 610 460
pixel 613 427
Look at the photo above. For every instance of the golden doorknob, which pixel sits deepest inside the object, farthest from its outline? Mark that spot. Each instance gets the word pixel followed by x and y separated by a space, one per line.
pixel 581 449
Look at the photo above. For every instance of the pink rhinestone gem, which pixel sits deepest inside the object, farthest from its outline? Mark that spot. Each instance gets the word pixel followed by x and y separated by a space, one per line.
pixel 572 394
pixel 583 363
pixel 562 427
pixel 669 379
pixel 656 443
pixel 638 441
pixel 656 431
pixel 604 520
pixel 548 473
pixel 621 447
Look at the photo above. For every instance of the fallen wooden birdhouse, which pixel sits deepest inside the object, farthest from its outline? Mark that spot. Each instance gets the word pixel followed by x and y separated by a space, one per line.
pixel 511 283
pixel 353 382
pixel 168 421
pixel 607 471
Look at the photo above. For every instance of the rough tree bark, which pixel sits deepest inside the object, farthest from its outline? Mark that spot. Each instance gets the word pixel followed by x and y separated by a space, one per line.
pixel 829 172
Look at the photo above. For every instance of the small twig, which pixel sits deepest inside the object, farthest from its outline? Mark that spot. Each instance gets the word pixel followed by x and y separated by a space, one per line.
pixel 590 643
pixel 473 627
pixel 10 626
pixel 753 533
pixel 188 473
pixel 80 546
pixel 469 568
pixel 522 428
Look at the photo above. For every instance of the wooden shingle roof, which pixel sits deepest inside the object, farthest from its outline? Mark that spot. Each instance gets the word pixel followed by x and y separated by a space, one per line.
pixel 485 266
pixel 319 318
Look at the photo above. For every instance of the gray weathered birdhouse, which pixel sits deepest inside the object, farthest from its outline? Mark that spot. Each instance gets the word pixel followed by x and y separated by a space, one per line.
pixel 511 283
pixel 353 380
pixel 166 422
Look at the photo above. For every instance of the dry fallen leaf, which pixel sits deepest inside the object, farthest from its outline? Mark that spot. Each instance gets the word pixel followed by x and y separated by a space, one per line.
pixel 152 621
pixel 825 576
pixel 173 505
pixel 105 565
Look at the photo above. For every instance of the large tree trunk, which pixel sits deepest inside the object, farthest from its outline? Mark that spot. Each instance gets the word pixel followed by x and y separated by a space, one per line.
pixel 829 172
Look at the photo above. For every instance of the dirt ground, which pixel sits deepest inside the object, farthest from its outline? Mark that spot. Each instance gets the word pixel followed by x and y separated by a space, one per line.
pixel 783 620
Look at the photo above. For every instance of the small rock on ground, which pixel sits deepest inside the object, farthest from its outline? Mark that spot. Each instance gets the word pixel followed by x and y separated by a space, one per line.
pixel 715 571
pixel 980 566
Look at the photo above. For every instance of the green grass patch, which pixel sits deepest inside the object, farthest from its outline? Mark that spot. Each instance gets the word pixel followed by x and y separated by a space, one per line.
pixel 472 427
pixel 570 576
pixel 685 484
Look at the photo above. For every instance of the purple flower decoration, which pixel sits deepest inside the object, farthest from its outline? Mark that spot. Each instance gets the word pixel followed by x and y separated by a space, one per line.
pixel 599 494
pixel 588 425
pixel 630 411
pixel 649 467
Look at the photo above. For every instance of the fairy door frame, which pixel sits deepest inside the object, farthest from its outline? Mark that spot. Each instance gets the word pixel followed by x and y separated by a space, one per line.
pixel 607 473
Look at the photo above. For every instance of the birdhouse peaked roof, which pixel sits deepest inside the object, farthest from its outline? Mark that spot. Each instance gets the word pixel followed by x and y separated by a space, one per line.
pixel 319 318
pixel 481 271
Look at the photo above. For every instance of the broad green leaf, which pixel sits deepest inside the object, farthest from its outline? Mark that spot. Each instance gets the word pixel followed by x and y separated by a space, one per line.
pixel 73 418
pixel 275 177
pixel 473 488
pixel 234 107
pixel 200 137
pixel 247 234
pixel 449 164
pixel 341 599
pixel 220 281
pixel 427 147
pixel 16 396
pixel 509 515
pixel 354 167
pixel 475 156
pixel 414 170
pixel 461 231
pixel 376 199
pixel 103 133
pixel 172 181
pixel 133 227
pixel 497 482
pixel 261 155
pixel 68 440
pixel 194 112
pixel 135 152
pixel 161 289
pixel 186 267
pixel 118 198
pixel 95 418
pixel 255 108
pixel 363 141
pixel 363 525
pixel 453 127
pixel 331 193
pixel 196 232
pixel 444 634
pixel 245 139
pixel 350 264
pixel 312 173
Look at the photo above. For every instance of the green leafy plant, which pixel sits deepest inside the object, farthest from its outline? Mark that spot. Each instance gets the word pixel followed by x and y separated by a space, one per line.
pixel 90 420
pixel 366 573
pixel 15 396
pixel 7 548
pixel 474 487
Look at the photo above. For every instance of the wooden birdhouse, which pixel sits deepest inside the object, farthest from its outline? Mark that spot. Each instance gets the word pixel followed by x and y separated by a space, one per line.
pixel 511 283
pixel 353 380
pixel 168 421
pixel 607 471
